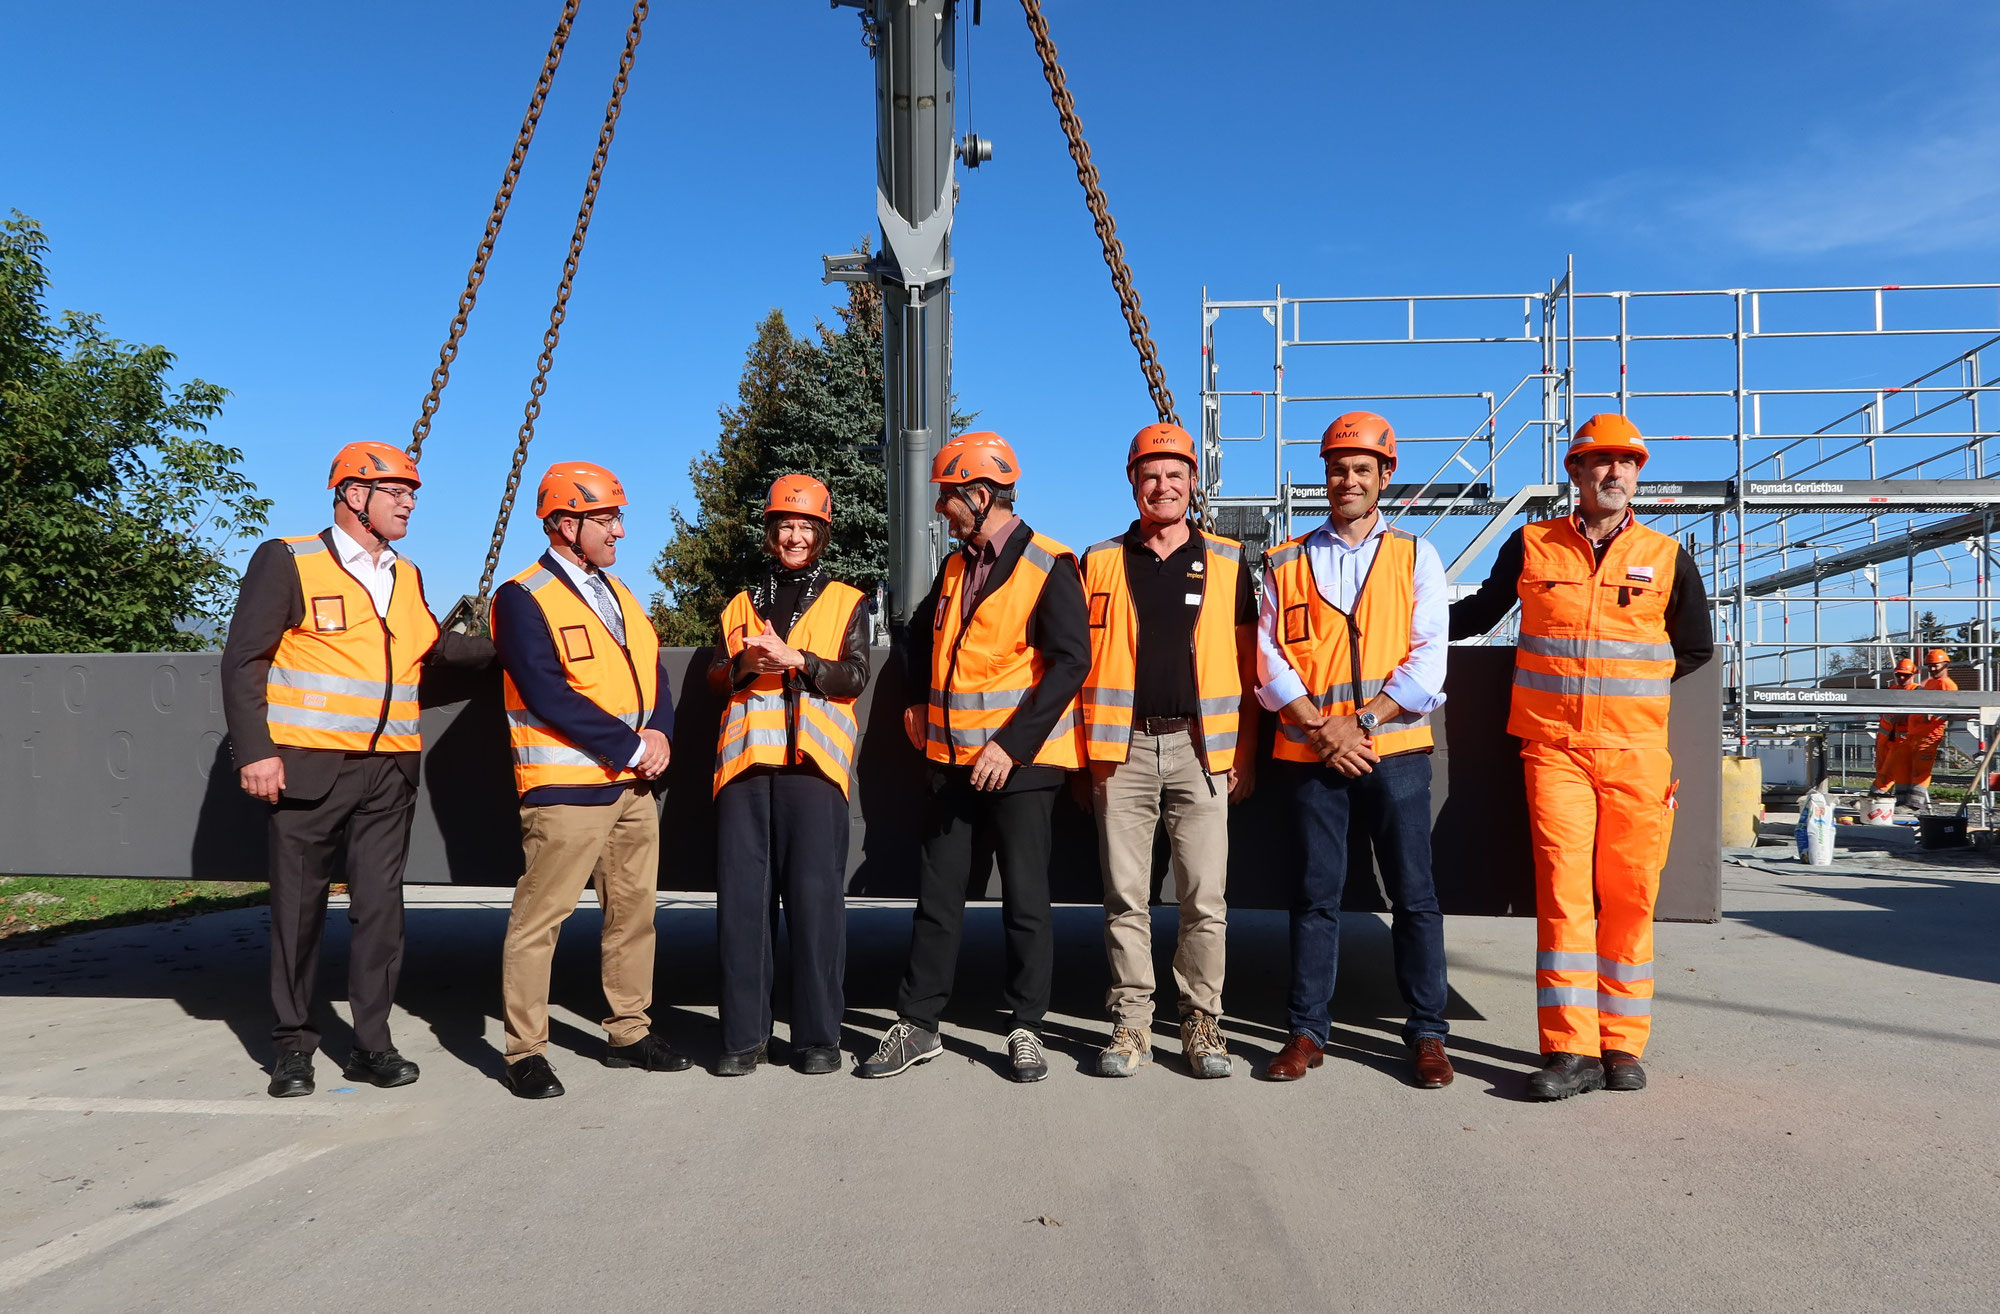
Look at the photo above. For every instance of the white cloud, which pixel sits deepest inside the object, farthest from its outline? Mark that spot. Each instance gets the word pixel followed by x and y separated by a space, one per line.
pixel 1930 187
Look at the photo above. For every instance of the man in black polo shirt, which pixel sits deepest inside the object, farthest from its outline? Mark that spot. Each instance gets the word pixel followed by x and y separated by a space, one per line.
pixel 1171 726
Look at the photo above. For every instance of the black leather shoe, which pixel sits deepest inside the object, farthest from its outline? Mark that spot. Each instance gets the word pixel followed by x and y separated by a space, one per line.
pixel 533 1079
pixel 742 1062
pixel 815 1060
pixel 379 1067
pixel 291 1075
pixel 1622 1071
pixel 1564 1075
pixel 650 1052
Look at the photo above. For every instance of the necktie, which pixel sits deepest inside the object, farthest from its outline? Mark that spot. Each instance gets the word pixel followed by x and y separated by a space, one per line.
pixel 607 607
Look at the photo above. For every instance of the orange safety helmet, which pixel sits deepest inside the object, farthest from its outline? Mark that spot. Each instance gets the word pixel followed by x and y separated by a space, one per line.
pixel 971 456
pixel 1608 432
pixel 369 462
pixel 1936 655
pixel 1361 431
pixel 1161 440
pixel 579 487
pixel 800 495
pixel 1904 666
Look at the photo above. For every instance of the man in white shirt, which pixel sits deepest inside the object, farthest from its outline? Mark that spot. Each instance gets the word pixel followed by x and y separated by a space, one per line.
pixel 1351 640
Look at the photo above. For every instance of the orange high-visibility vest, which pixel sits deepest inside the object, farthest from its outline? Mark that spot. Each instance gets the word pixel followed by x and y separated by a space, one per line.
pixel 1346 659
pixel 982 670
pixel 770 724
pixel 1114 652
pixel 1595 665
pixel 346 679
pixel 623 680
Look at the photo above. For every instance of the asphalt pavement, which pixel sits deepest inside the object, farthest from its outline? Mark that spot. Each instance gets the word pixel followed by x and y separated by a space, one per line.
pixel 1819 1133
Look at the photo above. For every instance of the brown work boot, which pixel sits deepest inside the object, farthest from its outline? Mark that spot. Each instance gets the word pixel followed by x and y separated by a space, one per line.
pixel 1433 1066
pixel 1202 1044
pixel 1130 1049
pixel 1300 1053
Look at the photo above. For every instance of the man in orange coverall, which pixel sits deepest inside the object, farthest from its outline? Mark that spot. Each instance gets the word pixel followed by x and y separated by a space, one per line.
pixel 1925 736
pixel 1611 614
pixel 1892 734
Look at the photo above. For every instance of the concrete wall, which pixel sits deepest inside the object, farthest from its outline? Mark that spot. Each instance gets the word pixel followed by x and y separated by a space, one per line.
pixel 116 765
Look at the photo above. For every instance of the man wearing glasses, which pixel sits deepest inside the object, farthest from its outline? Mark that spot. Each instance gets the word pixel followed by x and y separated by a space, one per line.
pixel 319 684
pixel 589 714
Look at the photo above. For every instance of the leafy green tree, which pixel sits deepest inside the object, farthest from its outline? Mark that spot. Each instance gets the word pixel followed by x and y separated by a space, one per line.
pixel 115 508
pixel 807 405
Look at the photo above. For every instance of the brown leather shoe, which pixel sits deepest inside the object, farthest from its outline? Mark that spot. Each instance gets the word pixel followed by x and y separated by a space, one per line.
pixel 1433 1067
pixel 1300 1053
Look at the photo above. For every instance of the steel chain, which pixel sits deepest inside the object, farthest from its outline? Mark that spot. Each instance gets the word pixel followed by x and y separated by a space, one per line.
pixel 477 275
pixel 1107 230
pixel 557 312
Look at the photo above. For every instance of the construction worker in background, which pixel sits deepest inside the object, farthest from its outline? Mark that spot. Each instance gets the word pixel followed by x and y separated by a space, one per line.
pixel 1926 734
pixel 320 683
pixel 590 716
pixel 793 659
pixel 995 656
pixel 1167 713
pixel 1611 614
pixel 1892 733
pixel 1351 651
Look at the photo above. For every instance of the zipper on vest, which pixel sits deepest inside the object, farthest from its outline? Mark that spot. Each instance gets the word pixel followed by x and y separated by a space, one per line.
pixel 388 639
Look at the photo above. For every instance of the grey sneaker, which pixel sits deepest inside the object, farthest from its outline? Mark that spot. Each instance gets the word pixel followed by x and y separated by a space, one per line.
pixel 1024 1051
pixel 906 1045
pixel 1201 1042
pixel 1130 1049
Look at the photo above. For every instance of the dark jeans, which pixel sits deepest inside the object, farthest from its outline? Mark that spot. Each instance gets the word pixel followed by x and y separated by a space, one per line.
pixel 1394 802
pixel 781 834
pixel 368 812
pixel 1017 825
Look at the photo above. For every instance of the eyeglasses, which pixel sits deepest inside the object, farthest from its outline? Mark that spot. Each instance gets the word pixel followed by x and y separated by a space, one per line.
pixel 397 493
pixel 606 519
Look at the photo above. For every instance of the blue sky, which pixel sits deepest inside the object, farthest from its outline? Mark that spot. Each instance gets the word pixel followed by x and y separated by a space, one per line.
pixel 287 197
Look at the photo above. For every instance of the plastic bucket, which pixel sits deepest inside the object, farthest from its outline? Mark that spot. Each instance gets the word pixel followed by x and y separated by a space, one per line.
pixel 1880 811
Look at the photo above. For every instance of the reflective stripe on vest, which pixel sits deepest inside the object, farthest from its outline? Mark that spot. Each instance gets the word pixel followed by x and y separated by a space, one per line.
pixel 343 680
pixel 1595 665
pixel 981 671
pixel 622 680
pixel 1106 700
pixel 1344 659
pixel 775 720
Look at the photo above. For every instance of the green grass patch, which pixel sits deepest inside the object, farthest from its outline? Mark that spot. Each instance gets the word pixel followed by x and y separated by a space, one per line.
pixel 35 907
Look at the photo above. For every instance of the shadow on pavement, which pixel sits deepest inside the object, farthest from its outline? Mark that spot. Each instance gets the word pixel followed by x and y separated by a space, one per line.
pixel 1927 922
pixel 214 968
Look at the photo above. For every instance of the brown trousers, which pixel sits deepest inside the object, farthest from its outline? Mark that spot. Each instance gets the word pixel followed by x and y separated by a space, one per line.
pixel 1162 776
pixel 616 847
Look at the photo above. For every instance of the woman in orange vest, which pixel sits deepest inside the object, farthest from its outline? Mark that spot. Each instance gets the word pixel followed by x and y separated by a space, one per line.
pixel 793 659
pixel 1611 614
pixel 995 656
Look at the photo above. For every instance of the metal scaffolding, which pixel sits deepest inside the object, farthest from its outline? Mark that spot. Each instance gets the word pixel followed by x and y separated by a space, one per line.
pixel 1820 451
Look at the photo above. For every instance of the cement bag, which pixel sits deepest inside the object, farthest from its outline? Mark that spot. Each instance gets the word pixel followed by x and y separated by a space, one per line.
pixel 1881 810
pixel 1814 833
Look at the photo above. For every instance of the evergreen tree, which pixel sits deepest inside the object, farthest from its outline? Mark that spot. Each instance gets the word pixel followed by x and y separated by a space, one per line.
pixel 804 406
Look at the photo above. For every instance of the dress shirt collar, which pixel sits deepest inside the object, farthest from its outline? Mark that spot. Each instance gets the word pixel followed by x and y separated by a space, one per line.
pixel 1327 536
pixel 578 575
pixel 352 553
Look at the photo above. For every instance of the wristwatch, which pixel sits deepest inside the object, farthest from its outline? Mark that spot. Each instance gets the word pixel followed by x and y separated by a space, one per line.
pixel 1367 721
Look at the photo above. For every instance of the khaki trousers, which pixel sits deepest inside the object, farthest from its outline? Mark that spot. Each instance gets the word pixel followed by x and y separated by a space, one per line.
pixel 616 847
pixel 1162 774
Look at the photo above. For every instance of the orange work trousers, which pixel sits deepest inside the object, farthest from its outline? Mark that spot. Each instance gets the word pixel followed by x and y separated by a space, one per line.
pixel 1601 819
pixel 1919 758
pixel 1890 762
